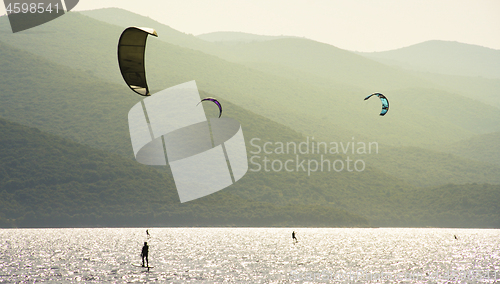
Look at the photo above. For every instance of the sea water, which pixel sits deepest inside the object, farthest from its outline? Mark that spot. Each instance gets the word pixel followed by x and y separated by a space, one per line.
pixel 250 255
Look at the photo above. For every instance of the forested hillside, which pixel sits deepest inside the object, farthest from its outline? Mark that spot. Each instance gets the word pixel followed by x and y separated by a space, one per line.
pixel 47 181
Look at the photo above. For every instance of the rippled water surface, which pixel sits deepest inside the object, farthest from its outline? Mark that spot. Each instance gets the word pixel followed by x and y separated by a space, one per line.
pixel 250 255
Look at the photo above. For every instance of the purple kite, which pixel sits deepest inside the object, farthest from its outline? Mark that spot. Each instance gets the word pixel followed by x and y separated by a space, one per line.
pixel 215 101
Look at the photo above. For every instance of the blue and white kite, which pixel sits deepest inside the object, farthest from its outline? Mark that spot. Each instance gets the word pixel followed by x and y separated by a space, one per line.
pixel 384 100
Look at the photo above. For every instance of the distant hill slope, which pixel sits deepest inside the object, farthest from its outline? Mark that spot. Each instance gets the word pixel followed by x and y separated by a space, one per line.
pixel 234 37
pixel 457 165
pixel 324 67
pixel 321 59
pixel 79 106
pixel 326 106
pixel 71 103
pixel 444 57
pixel 49 181
pixel 483 148
pixel 57 100
pixel 123 19
pixel 481 89
pixel 455 206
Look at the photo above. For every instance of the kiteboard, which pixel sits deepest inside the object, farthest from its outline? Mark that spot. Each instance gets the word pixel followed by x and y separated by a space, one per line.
pixel 138 265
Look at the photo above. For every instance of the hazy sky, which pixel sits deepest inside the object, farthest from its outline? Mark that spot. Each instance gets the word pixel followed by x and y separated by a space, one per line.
pixel 360 25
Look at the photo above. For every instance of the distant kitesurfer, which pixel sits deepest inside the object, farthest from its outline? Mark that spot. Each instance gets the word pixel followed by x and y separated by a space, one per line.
pixel 293 237
pixel 455 237
pixel 147 233
pixel 144 254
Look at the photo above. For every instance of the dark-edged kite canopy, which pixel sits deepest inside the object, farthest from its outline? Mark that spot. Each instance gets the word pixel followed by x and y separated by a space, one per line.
pixel 215 101
pixel 384 100
pixel 131 48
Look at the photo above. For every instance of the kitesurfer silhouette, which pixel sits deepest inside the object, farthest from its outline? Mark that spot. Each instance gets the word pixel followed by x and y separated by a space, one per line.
pixel 293 237
pixel 144 254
